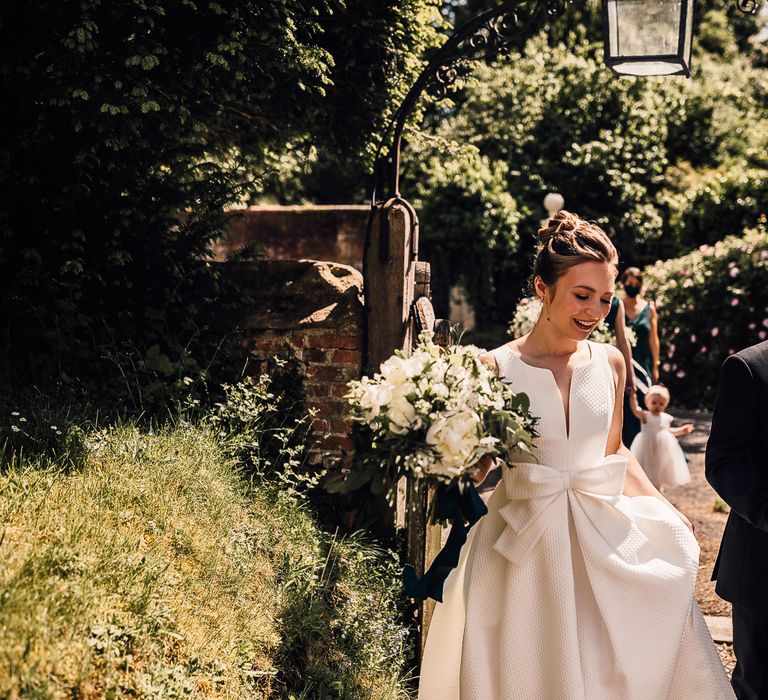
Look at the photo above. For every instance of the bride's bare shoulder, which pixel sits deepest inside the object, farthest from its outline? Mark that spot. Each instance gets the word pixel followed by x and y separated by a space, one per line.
pixel 616 360
pixel 489 357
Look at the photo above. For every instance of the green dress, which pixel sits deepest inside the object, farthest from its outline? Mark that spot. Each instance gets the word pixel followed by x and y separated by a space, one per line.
pixel 641 354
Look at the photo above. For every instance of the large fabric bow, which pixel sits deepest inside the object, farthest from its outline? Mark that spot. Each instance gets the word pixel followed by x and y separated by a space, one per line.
pixel 533 490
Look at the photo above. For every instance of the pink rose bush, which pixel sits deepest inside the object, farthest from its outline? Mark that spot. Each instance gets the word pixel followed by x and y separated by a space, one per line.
pixel 719 293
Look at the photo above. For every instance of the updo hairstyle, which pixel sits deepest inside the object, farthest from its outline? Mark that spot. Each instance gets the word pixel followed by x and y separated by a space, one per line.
pixel 568 240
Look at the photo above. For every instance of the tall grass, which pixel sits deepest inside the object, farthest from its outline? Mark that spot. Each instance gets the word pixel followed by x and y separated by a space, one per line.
pixel 139 565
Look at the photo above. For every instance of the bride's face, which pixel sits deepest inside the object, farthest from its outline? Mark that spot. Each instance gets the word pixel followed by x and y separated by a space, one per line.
pixel 580 299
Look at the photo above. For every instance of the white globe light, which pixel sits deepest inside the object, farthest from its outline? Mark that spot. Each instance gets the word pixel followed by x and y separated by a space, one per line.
pixel 553 203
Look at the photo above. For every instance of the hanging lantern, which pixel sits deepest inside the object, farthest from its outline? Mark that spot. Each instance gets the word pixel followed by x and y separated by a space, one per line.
pixel 648 37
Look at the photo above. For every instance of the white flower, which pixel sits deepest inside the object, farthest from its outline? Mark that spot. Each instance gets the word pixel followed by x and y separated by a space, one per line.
pixel 456 440
pixel 401 413
pixel 526 315
pixel 397 370
pixel 374 396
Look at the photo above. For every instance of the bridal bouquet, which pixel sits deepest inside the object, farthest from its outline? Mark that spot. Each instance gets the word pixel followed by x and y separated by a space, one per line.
pixel 529 310
pixel 432 415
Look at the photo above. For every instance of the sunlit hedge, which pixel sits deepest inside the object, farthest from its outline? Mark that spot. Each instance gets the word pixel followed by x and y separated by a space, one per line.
pixel 712 303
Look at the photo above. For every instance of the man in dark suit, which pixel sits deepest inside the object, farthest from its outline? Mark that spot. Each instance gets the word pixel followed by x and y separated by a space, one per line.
pixel 737 468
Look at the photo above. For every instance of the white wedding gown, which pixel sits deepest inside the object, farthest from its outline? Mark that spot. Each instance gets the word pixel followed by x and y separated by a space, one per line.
pixel 567 589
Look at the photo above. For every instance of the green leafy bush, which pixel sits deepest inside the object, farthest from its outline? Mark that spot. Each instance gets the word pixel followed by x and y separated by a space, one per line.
pixel 732 201
pixel 468 220
pixel 133 125
pixel 263 423
pixel 712 303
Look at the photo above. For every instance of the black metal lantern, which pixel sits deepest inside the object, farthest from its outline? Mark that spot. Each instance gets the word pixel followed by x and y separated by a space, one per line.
pixel 648 37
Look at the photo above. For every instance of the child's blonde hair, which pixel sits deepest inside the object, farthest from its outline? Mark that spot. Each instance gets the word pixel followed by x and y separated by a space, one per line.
pixel 660 391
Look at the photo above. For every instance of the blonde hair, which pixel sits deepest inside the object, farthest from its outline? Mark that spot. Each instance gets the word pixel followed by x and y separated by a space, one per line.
pixel 660 391
pixel 568 240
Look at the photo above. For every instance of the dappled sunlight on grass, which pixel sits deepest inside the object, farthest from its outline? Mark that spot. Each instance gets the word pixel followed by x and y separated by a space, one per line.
pixel 150 570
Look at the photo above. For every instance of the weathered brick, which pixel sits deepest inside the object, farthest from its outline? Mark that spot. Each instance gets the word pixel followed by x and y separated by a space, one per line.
pixel 321 425
pixel 336 442
pixel 342 342
pixel 322 373
pixel 338 390
pixel 317 389
pixel 298 340
pixel 346 357
pixel 316 355
pixel 340 425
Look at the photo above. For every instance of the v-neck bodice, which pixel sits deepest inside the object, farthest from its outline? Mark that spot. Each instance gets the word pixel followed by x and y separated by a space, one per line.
pixel 591 402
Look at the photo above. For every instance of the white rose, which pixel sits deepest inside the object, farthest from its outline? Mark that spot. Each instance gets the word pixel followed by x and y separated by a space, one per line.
pixel 455 438
pixel 398 370
pixel 402 414
pixel 393 370
pixel 374 396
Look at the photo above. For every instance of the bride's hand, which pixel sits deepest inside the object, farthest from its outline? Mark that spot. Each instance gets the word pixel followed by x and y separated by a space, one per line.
pixel 687 522
pixel 484 465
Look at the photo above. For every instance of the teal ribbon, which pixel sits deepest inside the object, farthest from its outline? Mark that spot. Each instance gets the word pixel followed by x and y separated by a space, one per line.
pixel 463 508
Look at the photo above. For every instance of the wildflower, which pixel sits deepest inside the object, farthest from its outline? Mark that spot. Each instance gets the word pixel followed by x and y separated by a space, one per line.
pixel 761 335
pixel 54 427
pixel 15 428
pixel 703 348
pixel 715 332
pixel 15 413
pixel 735 301
pixel 752 326
pixel 735 272
pixel 693 338
pixel 666 367
pixel 680 374
pixel 22 420
pixel 765 322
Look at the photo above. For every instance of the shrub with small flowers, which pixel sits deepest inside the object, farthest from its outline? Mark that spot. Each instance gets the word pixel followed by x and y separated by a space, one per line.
pixel 432 415
pixel 712 303
pixel 53 436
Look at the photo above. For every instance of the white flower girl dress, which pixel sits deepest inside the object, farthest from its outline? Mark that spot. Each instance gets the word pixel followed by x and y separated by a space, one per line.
pixel 659 452
pixel 567 589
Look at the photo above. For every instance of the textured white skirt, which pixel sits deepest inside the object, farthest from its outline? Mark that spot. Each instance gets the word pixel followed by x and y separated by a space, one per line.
pixel 568 590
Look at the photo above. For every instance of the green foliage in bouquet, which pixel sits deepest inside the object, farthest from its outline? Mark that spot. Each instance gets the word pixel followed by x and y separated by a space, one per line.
pixel 431 416
pixel 712 303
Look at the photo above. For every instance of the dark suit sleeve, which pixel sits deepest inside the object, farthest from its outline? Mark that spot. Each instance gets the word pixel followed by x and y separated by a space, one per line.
pixel 732 467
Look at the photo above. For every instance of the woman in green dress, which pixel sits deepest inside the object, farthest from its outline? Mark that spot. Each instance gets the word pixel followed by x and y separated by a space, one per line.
pixel 642 318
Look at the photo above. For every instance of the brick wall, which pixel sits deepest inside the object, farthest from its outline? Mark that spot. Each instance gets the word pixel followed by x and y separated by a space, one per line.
pixel 313 311
pixel 317 232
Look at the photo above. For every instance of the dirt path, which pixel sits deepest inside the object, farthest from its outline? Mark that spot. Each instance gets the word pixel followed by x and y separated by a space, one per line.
pixel 697 500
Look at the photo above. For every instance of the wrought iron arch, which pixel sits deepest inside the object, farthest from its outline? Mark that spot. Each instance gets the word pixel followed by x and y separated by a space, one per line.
pixel 483 38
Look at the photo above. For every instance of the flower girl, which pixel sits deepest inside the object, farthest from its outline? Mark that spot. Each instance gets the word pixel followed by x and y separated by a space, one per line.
pixel 656 446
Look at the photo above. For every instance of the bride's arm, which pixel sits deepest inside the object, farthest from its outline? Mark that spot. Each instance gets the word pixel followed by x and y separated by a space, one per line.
pixel 637 482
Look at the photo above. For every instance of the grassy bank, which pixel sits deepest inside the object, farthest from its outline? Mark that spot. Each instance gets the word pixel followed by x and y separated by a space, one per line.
pixel 147 569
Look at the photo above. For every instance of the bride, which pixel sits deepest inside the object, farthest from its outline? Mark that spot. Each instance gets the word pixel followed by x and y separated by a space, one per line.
pixel 578 584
